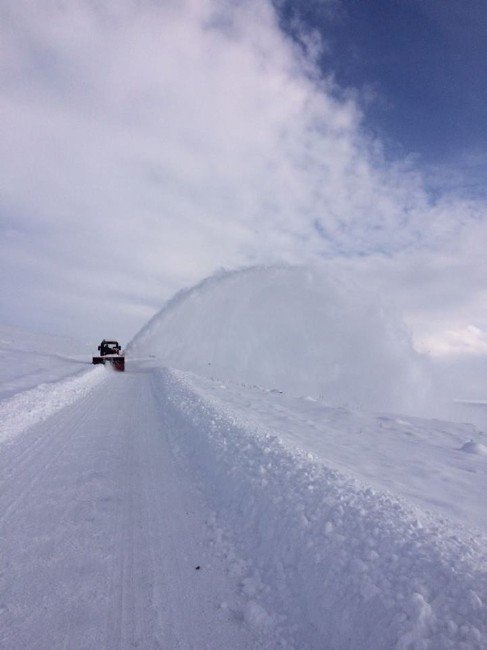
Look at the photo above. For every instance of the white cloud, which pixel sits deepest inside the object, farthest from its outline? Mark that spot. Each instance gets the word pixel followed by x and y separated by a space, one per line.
pixel 146 144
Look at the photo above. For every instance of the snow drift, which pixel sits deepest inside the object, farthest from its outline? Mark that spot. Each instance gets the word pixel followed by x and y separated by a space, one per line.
pixel 303 331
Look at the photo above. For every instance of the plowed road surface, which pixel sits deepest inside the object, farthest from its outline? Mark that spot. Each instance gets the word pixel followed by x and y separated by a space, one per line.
pixel 103 528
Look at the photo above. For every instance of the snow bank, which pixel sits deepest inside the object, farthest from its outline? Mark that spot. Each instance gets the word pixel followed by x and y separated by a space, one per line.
pixel 28 359
pixel 32 406
pixel 420 460
pixel 349 567
pixel 304 331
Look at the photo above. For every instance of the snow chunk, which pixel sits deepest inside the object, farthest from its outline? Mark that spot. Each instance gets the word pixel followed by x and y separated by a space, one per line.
pixel 472 447
pixel 256 616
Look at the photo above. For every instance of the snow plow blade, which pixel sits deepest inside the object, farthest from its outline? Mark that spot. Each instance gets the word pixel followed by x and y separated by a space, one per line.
pixel 117 362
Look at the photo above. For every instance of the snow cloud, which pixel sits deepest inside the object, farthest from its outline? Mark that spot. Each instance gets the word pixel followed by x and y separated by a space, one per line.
pixel 146 144
pixel 307 332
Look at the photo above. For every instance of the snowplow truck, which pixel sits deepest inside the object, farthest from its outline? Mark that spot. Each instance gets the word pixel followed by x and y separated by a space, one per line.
pixel 110 352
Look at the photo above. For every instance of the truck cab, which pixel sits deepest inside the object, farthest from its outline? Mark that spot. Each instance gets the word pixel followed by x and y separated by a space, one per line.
pixel 110 353
pixel 109 347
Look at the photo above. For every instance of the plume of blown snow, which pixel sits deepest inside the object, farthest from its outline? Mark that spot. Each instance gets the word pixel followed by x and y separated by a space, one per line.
pixel 308 332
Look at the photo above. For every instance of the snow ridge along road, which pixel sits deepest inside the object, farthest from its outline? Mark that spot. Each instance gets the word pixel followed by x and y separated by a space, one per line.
pixel 344 565
pixel 109 505
pixel 27 408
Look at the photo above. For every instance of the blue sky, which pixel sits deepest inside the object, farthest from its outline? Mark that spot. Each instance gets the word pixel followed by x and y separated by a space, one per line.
pixel 145 145
pixel 426 63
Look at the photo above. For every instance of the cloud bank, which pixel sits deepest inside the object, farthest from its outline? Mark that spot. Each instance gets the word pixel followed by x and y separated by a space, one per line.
pixel 146 144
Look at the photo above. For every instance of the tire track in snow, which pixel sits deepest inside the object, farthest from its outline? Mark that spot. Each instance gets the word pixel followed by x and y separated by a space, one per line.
pixel 120 622
pixel 39 455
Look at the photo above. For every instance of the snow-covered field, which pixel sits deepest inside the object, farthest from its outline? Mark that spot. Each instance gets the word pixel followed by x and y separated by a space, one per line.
pixel 168 508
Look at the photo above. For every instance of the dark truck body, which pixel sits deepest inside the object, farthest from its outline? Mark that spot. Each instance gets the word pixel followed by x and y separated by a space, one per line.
pixel 110 352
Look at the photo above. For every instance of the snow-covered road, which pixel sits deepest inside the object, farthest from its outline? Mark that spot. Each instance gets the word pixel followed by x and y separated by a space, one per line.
pixel 103 531
pixel 137 510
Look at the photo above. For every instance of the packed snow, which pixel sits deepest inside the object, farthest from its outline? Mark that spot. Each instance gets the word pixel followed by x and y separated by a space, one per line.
pixel 209 497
